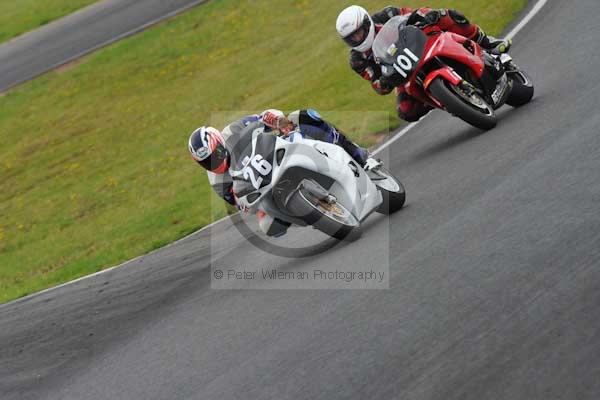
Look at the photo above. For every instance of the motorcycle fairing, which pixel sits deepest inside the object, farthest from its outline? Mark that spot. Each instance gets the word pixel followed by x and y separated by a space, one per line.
pixel 252 162
pixel 357 193
pixel 325 162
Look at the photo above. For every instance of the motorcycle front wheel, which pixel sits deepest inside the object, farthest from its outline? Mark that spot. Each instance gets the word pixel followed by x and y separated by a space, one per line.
pixel 522 89
pixel 466 105
pixel 392 191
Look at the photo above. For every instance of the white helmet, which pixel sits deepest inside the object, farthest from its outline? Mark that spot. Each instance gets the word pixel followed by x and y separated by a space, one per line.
pixel 356 28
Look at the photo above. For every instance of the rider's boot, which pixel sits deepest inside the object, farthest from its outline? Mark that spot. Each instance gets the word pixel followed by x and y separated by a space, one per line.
pixel 359 154
pixel 372 164
pixel 493 45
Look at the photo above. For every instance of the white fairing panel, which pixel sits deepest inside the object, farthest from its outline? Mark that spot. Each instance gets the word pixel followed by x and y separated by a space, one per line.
pixel 352 187
pixel 357 193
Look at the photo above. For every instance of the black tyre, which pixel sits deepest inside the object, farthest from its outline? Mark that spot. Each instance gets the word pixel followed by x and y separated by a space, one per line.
pixel 332 219
pixel 522 90
pixel 469 107
pixel 392 191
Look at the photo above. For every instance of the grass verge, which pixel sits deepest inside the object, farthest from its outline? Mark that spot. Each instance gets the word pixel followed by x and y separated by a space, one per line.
pixel 93 158
pixel 17 17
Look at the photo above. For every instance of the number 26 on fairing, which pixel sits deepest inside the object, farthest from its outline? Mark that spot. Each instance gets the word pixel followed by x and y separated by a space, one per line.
pixel 258 164
pixel 404 62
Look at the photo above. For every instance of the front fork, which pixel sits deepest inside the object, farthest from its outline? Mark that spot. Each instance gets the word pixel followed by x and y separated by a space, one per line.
pixel 446 73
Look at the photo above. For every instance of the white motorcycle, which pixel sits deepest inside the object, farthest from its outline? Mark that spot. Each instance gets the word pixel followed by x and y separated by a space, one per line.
pixel 308 182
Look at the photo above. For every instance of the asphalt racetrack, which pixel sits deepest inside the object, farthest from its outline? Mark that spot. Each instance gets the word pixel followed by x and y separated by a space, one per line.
pixel 88 29
pixel 494 285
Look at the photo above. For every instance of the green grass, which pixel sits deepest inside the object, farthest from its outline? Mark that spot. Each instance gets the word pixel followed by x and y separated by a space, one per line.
pixel 19 16
pixel 93 159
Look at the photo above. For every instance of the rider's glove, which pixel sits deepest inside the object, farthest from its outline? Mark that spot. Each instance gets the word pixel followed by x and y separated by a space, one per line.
pixel 422 20
pixel 384 85
pixel 277 122
pixel 271 118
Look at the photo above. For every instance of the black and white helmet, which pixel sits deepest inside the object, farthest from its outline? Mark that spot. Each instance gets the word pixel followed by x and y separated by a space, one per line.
pixel 356 28
pixel 207 147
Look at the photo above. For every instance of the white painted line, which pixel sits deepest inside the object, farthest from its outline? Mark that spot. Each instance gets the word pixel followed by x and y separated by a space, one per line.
pixel 394 138
pixel 527 18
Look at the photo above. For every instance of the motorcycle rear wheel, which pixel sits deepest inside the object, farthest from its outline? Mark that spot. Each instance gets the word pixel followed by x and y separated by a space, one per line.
pixel 471 108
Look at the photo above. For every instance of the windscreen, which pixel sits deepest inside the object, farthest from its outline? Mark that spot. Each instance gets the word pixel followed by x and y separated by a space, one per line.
pixel 386 39
pixel 399 48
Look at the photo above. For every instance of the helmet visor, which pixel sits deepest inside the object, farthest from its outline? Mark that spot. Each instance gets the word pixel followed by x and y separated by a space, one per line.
pixel 218 159
pixel 357 37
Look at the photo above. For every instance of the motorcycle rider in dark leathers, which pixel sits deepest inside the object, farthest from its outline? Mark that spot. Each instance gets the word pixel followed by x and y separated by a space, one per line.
pixel 211 149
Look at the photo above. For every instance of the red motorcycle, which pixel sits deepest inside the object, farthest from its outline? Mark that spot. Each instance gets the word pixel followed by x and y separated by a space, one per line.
pixel 450 72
